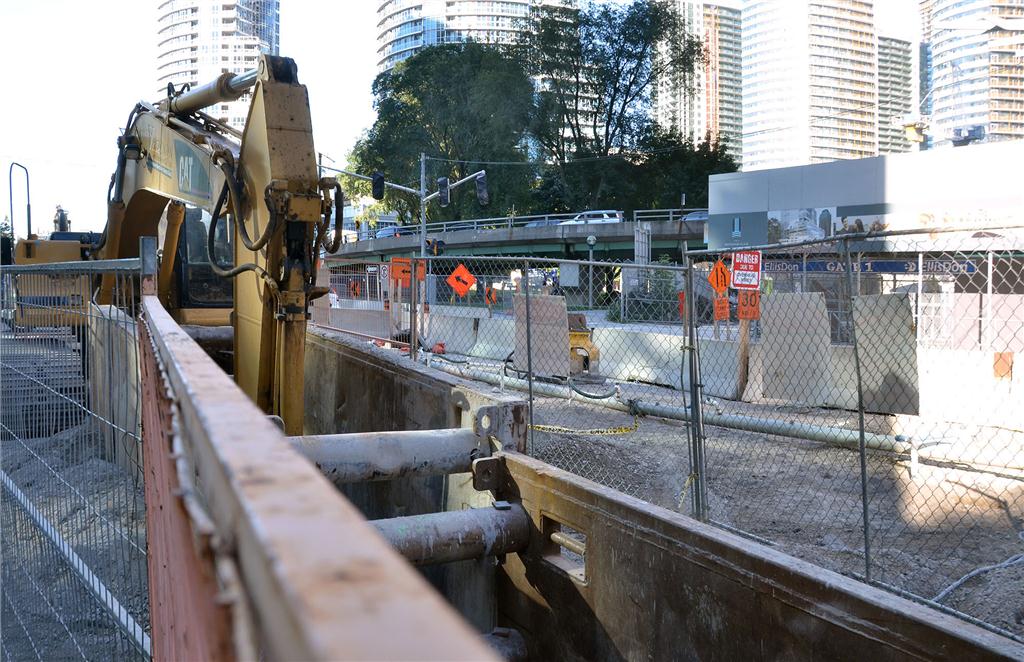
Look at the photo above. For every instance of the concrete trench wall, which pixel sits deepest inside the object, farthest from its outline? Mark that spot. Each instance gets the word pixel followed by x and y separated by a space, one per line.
pixel 692 591
pixel 352 386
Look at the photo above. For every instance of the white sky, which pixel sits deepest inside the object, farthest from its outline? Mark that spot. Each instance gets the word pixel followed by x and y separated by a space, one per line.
pixel 76 68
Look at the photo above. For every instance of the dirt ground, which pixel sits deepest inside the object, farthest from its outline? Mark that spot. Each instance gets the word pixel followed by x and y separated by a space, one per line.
pixel 927 527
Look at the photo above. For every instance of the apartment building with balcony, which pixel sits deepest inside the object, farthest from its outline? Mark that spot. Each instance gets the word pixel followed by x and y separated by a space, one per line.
pixel 406 26
pixel 895 94
pixel 810 82
pixel 975 76
pixel 197 40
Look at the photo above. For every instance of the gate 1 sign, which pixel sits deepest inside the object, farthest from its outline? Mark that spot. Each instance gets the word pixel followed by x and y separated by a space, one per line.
pixel 746 270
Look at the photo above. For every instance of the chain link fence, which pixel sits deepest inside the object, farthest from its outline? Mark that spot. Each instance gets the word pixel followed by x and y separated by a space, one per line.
pixel 72 511
pixel 870 419
pixel 593 344
pixel 865 413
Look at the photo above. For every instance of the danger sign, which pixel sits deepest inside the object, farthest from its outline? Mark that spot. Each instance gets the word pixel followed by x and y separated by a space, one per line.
pixel 719 277
pixel 746 270
pixel 461 280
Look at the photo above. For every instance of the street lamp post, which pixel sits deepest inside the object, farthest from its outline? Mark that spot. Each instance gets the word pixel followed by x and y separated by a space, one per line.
pixel 591 240
pixel 28 196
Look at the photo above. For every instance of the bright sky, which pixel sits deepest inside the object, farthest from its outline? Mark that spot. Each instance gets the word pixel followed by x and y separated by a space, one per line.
pixel 75 70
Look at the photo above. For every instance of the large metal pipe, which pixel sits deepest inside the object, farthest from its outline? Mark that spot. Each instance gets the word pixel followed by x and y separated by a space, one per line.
pixel 922 449
pixel 227 87
pixel 365 456
pixel 458 535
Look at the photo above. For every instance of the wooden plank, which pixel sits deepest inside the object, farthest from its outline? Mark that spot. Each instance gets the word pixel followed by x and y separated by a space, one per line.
pixel 320 582
pixel 187 621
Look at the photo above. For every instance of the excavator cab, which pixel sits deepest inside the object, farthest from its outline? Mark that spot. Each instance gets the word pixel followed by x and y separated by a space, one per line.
pixel 200 294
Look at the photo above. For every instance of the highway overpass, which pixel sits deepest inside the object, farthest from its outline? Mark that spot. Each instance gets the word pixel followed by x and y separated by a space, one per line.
pixel 540 237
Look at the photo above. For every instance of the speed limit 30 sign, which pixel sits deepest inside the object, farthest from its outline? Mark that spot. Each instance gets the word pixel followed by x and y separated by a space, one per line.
pixel 746 270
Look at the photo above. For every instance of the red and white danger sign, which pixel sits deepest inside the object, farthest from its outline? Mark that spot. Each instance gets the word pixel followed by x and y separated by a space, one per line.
pixel 746 270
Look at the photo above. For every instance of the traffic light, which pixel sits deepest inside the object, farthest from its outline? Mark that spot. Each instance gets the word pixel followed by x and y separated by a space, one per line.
pixel 443 192
pixel 436 246
pixel 483 196
pixel 378 185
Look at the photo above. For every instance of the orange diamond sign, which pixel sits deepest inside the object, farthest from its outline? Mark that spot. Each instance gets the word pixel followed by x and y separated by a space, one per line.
pixel 719 277
pixel 461 280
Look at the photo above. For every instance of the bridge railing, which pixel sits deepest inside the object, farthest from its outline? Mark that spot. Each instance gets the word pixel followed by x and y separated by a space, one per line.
pixel 589 217
pixel 667 215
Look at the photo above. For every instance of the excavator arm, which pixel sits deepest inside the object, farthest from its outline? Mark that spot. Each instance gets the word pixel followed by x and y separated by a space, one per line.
pixel 265 185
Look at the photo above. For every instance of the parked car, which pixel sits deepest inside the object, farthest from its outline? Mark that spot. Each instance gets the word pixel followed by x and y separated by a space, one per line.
pixel 595 217
pixel 696 216
pixel 542 223
pixel 392 231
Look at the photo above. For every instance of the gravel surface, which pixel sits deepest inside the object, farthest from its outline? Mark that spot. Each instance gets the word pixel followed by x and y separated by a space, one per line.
pixel 97 508
pixel 928 526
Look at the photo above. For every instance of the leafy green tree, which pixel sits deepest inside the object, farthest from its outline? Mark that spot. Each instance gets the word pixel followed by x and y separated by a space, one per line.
pixel 460 103
pixel 599 66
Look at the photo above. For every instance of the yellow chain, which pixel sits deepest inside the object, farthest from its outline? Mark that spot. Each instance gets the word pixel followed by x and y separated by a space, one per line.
pixel 558 429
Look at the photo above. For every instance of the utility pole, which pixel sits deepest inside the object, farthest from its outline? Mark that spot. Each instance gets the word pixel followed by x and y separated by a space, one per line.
pixel 423 204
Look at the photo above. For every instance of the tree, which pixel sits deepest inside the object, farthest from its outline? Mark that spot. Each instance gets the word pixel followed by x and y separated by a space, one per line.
pixel 599 66
pixel 459 103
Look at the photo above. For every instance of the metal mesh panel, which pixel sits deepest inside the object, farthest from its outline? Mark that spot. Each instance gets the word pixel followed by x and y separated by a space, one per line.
pixel 870 420
pixel 596 345
pixel 72 513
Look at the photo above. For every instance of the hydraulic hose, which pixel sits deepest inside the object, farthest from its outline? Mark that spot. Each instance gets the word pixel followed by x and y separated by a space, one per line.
pixel 226 272
pixel 339 219
pixel 231 184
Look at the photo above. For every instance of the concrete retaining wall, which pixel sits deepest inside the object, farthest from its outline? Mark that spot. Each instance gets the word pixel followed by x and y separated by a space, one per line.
pixel 114 384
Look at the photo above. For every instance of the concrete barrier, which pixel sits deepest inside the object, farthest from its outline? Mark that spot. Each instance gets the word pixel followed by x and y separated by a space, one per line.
pixel 368 322
pixel 640 356
pixel 719 367
pixel 457 333
pixel 495 339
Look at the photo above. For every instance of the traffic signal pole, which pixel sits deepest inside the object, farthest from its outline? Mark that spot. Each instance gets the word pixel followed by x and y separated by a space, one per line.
pixel 423 204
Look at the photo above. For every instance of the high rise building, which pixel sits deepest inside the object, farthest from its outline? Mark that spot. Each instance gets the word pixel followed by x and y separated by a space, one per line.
pixel 406 26
pixel 810 76
pixel 197 40
pixel 723 77
pixel 679 100
pixel 975 78
pixel 710 102
pixel 895 94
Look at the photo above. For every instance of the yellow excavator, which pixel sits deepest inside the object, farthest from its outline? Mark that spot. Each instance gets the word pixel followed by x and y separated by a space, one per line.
pixel 268 219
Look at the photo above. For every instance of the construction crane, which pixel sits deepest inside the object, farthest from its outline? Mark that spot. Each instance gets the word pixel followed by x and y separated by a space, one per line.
pixel 262 190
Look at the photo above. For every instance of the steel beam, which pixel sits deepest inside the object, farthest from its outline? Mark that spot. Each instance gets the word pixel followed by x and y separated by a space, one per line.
pixel 358 457
pixel 458 535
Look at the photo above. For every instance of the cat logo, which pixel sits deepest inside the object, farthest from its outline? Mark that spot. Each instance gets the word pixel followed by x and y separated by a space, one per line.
pixel 193 178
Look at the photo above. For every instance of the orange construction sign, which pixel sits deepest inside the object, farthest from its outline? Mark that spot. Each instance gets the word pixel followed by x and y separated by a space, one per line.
pixel 461 280
pixel 748 304
pixel 401 270
pixel 722 309
pixel 719 277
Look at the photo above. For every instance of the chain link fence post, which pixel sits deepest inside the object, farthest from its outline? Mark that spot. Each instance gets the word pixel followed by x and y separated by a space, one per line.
pixel 852 293
pixel 696 428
